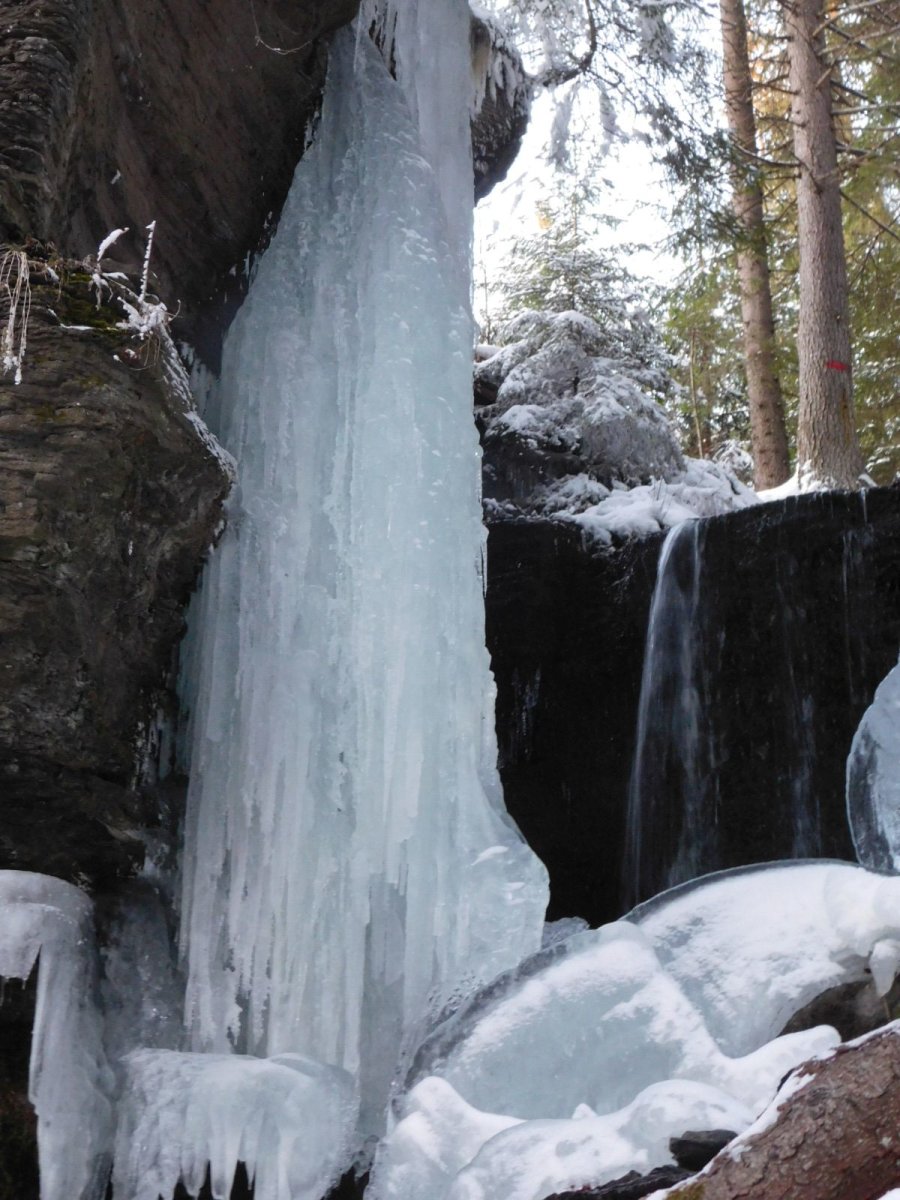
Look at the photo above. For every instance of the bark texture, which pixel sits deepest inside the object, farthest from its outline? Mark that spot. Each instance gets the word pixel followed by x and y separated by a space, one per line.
pixel 767 429
pixel 834 1139
pixel 109 497
pixel 828 451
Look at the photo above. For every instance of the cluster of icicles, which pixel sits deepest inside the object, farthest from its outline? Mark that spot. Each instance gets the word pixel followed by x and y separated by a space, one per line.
pixel 361 922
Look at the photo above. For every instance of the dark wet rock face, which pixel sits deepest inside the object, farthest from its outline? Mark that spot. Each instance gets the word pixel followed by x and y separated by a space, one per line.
pixel 800 621
pixel 632 1186
pixel 18 1123
pixel 109 498
pixel 501 117
pixel 192 115
pixel 565 630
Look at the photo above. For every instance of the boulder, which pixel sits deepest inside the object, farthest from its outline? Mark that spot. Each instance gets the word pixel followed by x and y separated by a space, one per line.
pixel 111 492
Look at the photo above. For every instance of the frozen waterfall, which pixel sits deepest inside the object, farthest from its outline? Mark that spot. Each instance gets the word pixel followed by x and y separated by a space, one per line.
pixel 349 867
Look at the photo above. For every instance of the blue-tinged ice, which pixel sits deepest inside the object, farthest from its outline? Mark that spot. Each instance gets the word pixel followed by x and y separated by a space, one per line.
pixel 349 867
pixel 289 1120
pixel 46 921
pixel 873 780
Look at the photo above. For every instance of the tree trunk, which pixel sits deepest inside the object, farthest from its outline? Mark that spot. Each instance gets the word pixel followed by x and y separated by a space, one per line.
pixel 767 430
pixel 836 1138
pixel 828 452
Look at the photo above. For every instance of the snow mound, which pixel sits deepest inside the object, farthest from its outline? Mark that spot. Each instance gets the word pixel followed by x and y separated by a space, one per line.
pixel 288 1119
pixel 873 779
pixel 444 1146
pixel 571 433
pixel 542 1158
pixel 70 1083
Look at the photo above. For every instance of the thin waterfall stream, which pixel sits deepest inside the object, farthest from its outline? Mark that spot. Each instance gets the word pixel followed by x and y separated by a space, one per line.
pixel 672 795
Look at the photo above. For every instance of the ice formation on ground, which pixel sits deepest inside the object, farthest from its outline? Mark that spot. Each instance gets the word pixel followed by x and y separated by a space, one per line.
pixel 572 433
pixel 873 780
pixel 681 1004
pixel 349 866
pixel 70 1083
pixel 752 946
pixel 594 1020
pixel 445 1147
pixel 290 1120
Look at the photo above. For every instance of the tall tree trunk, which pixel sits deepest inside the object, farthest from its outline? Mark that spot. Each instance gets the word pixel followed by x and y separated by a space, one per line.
pixel 767 430
pixel 828 451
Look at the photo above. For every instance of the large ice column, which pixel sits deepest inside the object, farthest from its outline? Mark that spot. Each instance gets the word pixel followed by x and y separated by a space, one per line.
pixel 70 1083
pixel 349 866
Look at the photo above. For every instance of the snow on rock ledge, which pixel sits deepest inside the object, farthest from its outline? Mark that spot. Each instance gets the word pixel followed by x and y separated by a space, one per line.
pixel 571 432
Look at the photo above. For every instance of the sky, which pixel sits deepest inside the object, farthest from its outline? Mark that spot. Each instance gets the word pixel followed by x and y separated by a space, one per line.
pixel 636 196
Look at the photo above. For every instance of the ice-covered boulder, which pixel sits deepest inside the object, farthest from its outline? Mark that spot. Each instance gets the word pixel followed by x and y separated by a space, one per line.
pixel 873 780
pixel 594 1020
pixel 751 946
pixel 46 921
pixel 289 1119
pixel 579 1065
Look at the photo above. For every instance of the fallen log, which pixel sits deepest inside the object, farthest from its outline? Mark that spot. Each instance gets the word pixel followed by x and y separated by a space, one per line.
pixel 831 1133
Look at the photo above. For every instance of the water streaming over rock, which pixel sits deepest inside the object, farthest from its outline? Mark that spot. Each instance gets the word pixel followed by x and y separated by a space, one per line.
pixel 672 795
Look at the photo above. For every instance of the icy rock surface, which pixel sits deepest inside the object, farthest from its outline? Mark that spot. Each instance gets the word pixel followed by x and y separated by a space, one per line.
pixel 752 946
pixel 349 866
pixel 70 1083
pixel 443 1146
pixel 142 993
pixel 572 433
pixel 289 1120
pixel 594 1020
pixel 873 780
